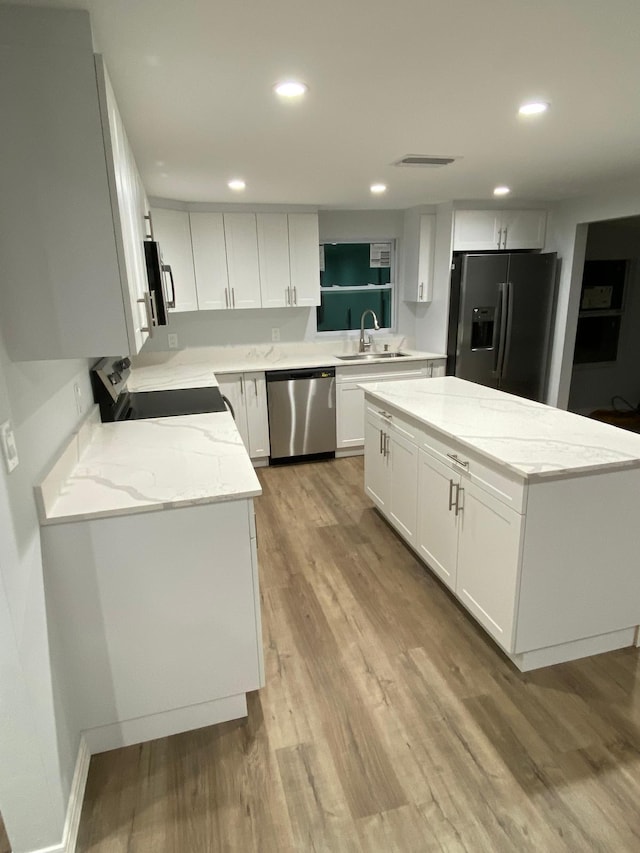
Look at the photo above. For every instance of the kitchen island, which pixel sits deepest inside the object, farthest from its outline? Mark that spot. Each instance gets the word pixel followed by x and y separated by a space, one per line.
pixel 529 514
pixel 149 538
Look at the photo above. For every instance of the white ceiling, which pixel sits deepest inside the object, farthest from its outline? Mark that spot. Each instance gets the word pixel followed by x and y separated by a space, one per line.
pixel 194 83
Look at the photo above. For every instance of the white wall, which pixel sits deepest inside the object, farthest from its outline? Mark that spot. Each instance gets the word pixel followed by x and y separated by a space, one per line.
pixel 431 319
pixel 566 234
pixel 220 328
pixel 593 386
pixel 38 737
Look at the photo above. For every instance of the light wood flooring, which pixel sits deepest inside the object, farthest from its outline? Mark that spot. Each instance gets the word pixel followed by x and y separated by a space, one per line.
pixel 389 721
pixel 5 847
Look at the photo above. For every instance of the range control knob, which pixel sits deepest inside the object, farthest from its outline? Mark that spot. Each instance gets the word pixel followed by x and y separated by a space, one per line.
pixel 114 377
pixel 123 364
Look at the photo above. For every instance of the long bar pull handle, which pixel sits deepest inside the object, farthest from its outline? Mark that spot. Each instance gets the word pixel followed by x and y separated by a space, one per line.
pixel 146 301
pixel 226 297
pixel 295 295
pixel 149 219
pixel 386 444
pixel 457 460
pixel 504 240
pixel 451 485
pixel 242 385
pixel 459 506
pixel 420 296
pixel 507 334
pixel 501 328
pixel 171 303
pixel 255 386
pixel 381 448
pixel 499 238
pixel 288 295
pixel 233 296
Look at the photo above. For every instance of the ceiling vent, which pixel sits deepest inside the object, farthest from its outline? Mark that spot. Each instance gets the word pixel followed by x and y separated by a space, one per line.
pixel 424 160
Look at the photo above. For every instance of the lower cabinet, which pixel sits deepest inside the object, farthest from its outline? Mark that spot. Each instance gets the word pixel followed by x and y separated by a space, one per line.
pixel 247 393
pixel 350 427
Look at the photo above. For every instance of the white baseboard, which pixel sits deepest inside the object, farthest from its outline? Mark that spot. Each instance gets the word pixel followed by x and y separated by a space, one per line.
pixel 141 729
pixel 574 650
pixel 74 806
pixel 350 451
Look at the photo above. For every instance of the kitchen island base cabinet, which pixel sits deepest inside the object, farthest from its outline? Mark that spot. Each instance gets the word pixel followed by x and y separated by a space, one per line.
pixel 547 565
pixel 155 619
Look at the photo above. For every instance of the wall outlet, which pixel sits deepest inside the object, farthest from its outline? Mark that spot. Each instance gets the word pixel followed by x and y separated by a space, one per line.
pixel 173 341
pixel 77 393
pixel 275 334
pixel 9 449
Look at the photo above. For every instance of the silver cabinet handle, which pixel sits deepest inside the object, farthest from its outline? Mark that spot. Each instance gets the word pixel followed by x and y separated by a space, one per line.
pixel 242 385
pixel 451 484
pixel 459 506
pixel 381 441
pixel 457 460
pixel 295 295
pixel 148 307
pixel 226 296
pixel 504 244
pixel 149 219
pixel 499 238
pixel 287 297
pixel 233 296
pixel 421 291
pixel 171 303
pixel 386 415
pixel 255 385
pixel 386 444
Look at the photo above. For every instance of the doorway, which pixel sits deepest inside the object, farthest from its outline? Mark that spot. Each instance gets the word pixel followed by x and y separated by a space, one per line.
pixel 605 380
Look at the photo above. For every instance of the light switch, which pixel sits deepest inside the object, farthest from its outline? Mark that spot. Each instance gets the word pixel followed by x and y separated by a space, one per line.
pixel 9 448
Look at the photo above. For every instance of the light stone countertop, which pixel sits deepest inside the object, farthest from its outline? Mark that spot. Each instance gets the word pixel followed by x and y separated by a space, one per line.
pixel 197 367
pixel 532 440
pixel 146 465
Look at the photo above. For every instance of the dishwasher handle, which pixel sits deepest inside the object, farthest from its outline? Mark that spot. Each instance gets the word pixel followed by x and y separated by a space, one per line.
pixel 300 373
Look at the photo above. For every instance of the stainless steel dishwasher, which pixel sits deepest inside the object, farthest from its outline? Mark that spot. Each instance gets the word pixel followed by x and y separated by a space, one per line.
pixel 302 412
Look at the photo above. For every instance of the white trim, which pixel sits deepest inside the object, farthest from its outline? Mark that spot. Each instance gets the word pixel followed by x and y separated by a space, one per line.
pixel 141 729
pixel 74 806
pixel 574 650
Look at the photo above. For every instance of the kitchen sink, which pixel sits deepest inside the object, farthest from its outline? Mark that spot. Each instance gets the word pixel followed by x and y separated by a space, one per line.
pixel 371 356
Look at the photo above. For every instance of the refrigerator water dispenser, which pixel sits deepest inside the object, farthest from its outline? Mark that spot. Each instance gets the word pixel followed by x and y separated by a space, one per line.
pixel 482 324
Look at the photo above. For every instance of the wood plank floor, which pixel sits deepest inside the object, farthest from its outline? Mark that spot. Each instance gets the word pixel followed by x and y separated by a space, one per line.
pixel 389 722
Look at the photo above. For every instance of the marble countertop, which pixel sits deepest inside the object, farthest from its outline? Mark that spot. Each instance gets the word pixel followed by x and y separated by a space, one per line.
pixel 142 466
pixel 532 440
pixel 197 368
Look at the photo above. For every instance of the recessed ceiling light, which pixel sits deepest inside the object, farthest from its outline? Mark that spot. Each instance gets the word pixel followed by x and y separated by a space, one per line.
pixel 501 191
pixel 236 184
pixel 533 108
pixel 378 188
pixel 290 88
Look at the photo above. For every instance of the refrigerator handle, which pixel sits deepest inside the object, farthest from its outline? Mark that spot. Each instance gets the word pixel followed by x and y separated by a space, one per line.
pixel 509 324
pixel 499 329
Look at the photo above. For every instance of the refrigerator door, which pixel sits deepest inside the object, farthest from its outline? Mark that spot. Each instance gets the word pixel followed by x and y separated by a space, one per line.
pixel 530 302
pixel 481 317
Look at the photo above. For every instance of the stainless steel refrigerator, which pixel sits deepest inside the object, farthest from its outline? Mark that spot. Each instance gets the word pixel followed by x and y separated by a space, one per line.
pixel 500 319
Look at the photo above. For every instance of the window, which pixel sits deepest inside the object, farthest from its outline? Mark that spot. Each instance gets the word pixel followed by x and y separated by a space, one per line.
pixel 354 277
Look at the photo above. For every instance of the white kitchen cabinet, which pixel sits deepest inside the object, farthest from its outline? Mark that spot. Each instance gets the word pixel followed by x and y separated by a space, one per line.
pixel 241 242
pixel 350 397
pixel 376 474
pixel 210 261
pixel 481 230
pixel 72 217
pixel 304 259
pixel 273 258
pixel 419 258
pixel 247 393
pixel 437 539
pixel 172 230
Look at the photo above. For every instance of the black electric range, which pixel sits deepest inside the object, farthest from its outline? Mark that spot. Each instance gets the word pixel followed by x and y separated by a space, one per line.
pixel 109 381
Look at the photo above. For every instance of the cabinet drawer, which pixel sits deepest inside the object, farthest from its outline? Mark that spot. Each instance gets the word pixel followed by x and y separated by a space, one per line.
pixel 477 470
pixel 397 423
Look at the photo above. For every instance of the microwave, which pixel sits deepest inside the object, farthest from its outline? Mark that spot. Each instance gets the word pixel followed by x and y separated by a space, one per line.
pixel 157 273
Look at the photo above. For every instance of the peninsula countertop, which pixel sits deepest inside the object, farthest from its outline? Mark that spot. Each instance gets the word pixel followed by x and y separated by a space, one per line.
pixel 130 467
pixel 533 440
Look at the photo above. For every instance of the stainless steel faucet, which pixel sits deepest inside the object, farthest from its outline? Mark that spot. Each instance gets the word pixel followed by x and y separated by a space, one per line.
pixel 364 345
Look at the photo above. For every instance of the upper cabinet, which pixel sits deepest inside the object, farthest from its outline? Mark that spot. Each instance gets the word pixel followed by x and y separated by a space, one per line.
pixel 210 260
pixel 481 230
pixel 304 259
pixel 420 234
pixel 72 214
pixel 241 241
pixel 172 230
pixel 273 254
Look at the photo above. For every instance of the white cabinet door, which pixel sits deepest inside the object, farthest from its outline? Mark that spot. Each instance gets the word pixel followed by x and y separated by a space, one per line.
pixel 488 562
pixel 402 462
pixel 427 238
pixel 349 415
pixel 304 258
pixel 273 258
pixel 376 469
pixel 524 229
pixel 255 394
pixel 232 386
pixel 210 261
pixel 241 240
pixel 172 230
pixel 437 536
pixel 438 368
pixel 477 230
